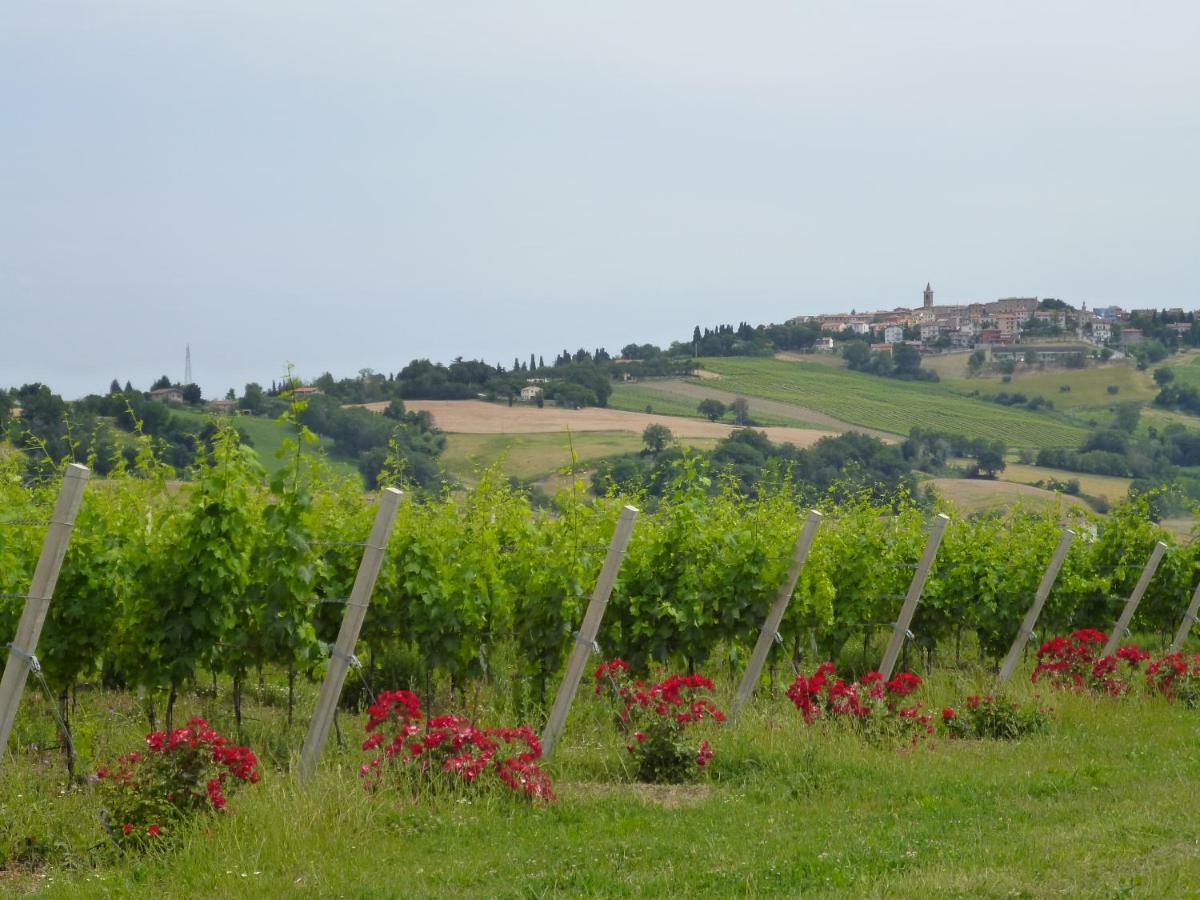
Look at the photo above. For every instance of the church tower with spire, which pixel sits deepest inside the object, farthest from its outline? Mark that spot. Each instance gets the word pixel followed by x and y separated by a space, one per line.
pixel 928 296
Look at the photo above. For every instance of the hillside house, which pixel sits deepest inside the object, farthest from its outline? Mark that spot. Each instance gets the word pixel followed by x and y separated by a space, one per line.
pixel 962 339
pixel 994 337
pixel 530 393
pixel 1131 336
pixel 824 344
pixel 1044 352
pixel 930 332
pixel 223 407
pixel 893 334
pixel 304 391
pixel 1009 323
pixel 1022 306
pixel 1101 332
pixel 167 395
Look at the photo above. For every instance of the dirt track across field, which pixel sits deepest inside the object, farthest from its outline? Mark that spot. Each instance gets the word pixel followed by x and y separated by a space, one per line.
pixel 477 417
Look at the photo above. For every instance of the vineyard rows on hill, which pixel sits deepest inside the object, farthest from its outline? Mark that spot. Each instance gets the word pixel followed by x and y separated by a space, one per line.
pixel 231 574
pixel 890 404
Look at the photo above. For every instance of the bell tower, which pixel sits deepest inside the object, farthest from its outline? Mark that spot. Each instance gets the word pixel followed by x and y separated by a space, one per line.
pixel 928 296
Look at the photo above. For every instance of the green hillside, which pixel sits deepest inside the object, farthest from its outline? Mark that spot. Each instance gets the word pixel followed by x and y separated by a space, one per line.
pixel 538 455
pixel 1089 388
pixel 658 397
pixel 889 404
pixel 267 435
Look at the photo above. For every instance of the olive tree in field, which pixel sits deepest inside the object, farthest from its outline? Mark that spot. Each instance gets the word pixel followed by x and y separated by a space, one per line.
pixel 711 409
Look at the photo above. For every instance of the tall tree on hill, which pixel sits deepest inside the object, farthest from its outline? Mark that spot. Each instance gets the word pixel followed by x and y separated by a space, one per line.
pixel 114 388
pixel 740 408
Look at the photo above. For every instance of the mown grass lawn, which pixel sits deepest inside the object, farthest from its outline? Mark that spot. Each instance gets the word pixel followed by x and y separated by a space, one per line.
pixel 1102 805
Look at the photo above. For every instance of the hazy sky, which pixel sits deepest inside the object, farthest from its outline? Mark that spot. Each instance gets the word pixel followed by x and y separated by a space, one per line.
pixel 348 185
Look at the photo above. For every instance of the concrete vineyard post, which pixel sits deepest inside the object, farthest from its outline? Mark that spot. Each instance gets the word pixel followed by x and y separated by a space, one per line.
pixel 1188 618
pixel 342 652
pixel 1122 627
pixel 770 627
pixel 586 638
pixel 900 628
pixel 1039 600
pixel 22 652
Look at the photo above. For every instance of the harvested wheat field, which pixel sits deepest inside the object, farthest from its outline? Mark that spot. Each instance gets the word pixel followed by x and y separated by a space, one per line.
pixel 477 417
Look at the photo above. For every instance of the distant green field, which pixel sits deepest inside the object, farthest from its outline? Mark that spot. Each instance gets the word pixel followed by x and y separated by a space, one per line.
pixel 267 436
pixel 1109 487
pixel 1089 387
pixel 1188 373
pixel 638 398
pixel 889 404
pixel 655 397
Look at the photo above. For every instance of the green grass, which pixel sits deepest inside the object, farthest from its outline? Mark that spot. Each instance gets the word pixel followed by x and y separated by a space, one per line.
pixel 1102 804
pixel 658 397
pixel 1110 487
pixel 889 404
pixel 1089 387
pixel 640 398
pixel 532 456
pixel 268 436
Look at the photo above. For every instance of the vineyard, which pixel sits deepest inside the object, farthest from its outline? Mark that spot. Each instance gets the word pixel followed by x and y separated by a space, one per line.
pixel 223 597
pixel 860 399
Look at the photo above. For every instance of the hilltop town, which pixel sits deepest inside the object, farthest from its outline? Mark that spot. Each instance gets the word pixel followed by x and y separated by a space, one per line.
pixel 998 324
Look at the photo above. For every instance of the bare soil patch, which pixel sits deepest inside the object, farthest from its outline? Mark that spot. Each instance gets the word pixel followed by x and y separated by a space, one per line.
pixel 478 417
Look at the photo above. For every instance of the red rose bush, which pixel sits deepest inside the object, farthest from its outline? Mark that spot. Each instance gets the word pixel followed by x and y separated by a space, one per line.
pixel 449 751
pixel 875 705
pixel 1074 663
pixel 655 717
pixel 187 772
pixel 1176 677
pixel 994 718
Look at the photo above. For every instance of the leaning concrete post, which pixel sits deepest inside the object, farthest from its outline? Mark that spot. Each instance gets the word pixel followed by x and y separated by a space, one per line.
pixel 900 628
pixel 1122 627
pixel 1039 600
pixel 22 652
pixel 342 652
pixel 585 640
pixel 770 628
pixel 1186 625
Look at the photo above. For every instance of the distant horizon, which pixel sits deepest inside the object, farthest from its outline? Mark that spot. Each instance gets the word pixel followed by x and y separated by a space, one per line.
pixel 366 184
pixel 143 384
